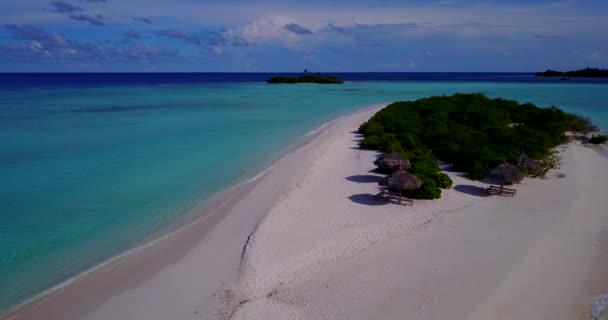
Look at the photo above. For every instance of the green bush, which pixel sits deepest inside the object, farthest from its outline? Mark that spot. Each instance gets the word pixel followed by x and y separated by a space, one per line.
pixel 471 131
pixel 428 190
pixel 598 139
pixel 371 142
pixel 443 181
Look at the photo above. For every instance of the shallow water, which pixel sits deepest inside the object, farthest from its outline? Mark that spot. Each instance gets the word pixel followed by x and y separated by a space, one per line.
pixel 89 172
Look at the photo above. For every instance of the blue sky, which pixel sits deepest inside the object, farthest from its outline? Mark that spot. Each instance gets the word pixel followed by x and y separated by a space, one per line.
pixel 274 35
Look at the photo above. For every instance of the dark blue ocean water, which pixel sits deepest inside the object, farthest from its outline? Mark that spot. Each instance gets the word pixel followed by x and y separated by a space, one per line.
pixel 93 164
pixel 109 79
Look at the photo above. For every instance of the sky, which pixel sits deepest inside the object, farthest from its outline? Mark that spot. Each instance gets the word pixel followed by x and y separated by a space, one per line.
pixel 287 35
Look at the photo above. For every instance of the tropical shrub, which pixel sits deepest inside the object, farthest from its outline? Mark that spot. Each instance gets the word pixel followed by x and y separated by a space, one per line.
pixel 428 190
pixel 598 139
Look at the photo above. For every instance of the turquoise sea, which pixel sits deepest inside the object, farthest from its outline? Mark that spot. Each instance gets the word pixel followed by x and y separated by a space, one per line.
pixel 87 172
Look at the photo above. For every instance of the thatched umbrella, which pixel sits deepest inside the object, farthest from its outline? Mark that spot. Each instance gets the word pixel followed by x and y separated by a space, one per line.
pixel 393 161
pixel 531 166
pixel 401 180
pixel 507 173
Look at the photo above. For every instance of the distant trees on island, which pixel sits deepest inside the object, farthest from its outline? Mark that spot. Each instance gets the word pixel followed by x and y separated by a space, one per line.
pixel 472 132
pixel 583 73
pixel 308 77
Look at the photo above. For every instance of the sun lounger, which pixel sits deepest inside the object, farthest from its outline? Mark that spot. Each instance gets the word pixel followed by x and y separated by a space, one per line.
pixel 394 197
pixel 501 191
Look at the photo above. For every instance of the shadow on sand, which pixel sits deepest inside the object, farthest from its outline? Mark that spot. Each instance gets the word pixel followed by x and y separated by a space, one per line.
pixel 366 199
pixel 471 190
pixel 364 178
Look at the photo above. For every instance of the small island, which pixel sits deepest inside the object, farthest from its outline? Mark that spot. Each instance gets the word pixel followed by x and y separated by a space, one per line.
pixel 308 77
pixel 583 73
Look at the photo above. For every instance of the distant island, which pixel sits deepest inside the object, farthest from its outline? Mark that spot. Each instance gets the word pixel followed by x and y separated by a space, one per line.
pixel 583 73
pixel 308 77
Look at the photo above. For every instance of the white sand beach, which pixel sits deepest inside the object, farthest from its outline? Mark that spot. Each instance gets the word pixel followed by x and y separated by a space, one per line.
pixel 307 240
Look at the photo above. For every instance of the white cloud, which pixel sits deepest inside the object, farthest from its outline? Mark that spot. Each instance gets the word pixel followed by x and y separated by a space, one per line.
pixel 271 31
pixel 264 21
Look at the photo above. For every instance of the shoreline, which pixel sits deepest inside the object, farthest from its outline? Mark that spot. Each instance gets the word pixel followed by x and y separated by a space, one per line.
pixel 205 216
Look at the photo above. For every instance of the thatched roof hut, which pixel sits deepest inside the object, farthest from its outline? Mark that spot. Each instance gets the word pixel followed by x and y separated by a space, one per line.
pixel 531 167
pixel 393 161
pixel 507 173
pixel 402 180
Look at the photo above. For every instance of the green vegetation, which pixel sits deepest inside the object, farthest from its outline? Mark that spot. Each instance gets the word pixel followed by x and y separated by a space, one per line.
pixel 598 139
pixel 307 78
pixel 583 73
pixel 471 131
